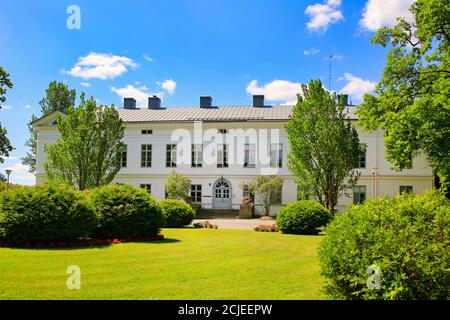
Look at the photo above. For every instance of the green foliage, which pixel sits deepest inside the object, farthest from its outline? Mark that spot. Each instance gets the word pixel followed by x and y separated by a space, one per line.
pixel 5 144
pixel 125 212
pixel 303 217
pixel 178 186
pixel 45 213
pixel 177 213
pixel 407 237
pixel 264 188
pixel 58 97
pixel 324 146
pixel 412 101
pixel 88 151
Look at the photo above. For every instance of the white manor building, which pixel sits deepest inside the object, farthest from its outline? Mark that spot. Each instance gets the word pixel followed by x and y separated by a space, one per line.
pixel 218 148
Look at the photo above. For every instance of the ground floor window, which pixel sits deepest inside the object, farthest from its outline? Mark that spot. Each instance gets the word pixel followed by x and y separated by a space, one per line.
pixel 406 189
pixel 276 197
pixel 359 194
pixel 196 193
pixel 147 187
pixel 248 194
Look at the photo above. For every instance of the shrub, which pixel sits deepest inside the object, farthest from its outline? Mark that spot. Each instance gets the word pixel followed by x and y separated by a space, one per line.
pixel 177 213
pixel 45 213
pixel 406 237
pixel 126 212
pixel 266 228
pixel 302 217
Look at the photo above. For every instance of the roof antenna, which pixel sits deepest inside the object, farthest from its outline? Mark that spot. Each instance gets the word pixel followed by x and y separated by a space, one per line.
pixel 330 58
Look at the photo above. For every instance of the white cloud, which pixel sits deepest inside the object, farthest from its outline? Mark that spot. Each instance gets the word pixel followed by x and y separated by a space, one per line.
pixel 101 66
pixel 5 107
pixel 147 57
pixel 85 84
pixel 141 94
pixel 379 13
pixel 323 14
pixel 20 174
pixel 311 52
pixel 168 85
pixel 357 87
pixel 277 91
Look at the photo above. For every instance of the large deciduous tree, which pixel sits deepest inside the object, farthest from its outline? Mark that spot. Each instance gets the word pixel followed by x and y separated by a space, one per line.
pixel 324 146
pixel 412 101
pixel 58 97
pixel 88 152
pixel 5 144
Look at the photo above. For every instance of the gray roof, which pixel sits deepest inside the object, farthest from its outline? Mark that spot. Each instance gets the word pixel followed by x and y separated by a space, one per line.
pixel 228 113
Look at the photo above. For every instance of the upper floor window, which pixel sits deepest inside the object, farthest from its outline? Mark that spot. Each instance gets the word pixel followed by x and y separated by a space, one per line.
pixel 147 131
pixel 146 155
pixel 197 156
pixel 147 187
pixel 171 155
pixel 410 165
pixel 222 156
pixel 359 194
pixel 222 131
pixel 362 156
pixel 196 193
pixel 276 155
pixel 406 189
pixel 123 158
pixel 249 155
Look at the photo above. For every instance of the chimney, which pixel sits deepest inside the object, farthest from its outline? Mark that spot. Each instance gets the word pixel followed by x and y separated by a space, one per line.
pixel 154 102
pixel 344 98
pixel 129 103
pixel 258 101
pixel 205 102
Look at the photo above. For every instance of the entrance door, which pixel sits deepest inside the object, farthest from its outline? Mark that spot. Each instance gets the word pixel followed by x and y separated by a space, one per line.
pixel 222 195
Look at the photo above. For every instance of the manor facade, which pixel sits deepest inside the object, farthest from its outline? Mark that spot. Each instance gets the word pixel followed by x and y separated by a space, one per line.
pixel 220 147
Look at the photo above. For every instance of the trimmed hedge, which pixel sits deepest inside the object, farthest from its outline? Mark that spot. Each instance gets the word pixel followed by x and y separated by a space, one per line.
pixel 407 238
pixel 45 213
pixel 302 217
pixel 177 213
pixel 125 211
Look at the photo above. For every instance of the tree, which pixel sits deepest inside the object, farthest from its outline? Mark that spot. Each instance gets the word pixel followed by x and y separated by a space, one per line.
pixel 265 188
pixel 88 152
pixel 324 146
pixel 5 144
pixel 178 186
pixel 412 101
pixel 58 97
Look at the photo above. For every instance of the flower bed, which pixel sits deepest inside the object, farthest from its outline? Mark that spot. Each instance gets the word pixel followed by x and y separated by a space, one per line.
pixel 85 243
pixel 205 224
pixel 266 228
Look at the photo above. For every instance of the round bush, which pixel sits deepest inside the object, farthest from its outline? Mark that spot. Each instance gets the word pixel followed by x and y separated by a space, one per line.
pixel 402 241
pixel 177 213
pixel 302 217
pixel 125 212
pixel 45 213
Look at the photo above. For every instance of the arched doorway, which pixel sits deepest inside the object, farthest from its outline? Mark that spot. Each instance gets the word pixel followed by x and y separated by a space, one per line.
pixel 222 196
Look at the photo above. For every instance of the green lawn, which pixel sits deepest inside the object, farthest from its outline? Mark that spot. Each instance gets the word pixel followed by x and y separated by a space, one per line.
pixel 189 264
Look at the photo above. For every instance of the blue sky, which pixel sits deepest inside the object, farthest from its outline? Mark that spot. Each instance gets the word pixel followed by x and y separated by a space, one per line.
pixel 181 50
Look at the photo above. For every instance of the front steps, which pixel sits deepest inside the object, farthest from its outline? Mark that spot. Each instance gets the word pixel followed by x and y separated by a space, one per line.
pixel 217 214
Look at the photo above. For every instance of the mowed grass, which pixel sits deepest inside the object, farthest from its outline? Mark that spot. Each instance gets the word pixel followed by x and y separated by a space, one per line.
pixel 189 264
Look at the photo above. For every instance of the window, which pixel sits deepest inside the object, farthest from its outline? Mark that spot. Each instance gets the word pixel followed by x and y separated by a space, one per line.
pixel 147 131
pixel 248 194
pixel 197 156
pixel 171 155
pixel 222 156
pixel 249 155
pixel 406 189
pixel 362 156
pixel 196 193
pixel 146 155
pixel 123 159
pixel 359 194
pixel 410 166
pixel 276 197
pixel 147 187
pixel 276 155
pixel 222 131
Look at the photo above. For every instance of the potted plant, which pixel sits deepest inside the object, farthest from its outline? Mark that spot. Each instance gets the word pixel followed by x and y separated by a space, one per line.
pixel 246 209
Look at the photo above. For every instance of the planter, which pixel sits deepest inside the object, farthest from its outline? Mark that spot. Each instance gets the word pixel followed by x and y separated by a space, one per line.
pixel 246 211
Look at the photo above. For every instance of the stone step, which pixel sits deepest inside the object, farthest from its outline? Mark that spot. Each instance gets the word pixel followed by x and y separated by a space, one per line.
pixel 218 213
